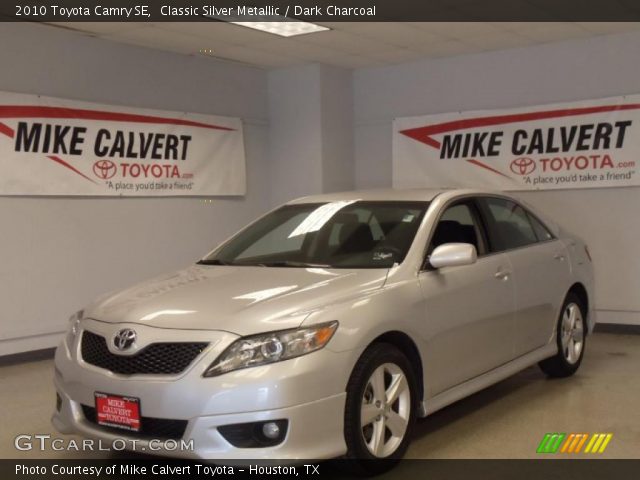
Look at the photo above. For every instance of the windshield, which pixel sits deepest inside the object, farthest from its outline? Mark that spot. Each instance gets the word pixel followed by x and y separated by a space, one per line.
pixel 345 234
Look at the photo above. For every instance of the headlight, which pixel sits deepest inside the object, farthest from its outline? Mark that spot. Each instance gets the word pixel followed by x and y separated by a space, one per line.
pixel 74 325
pixel 271 347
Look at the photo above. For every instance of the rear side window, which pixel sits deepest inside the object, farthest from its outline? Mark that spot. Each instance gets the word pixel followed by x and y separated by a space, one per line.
pixel 542 232
pixel 510 225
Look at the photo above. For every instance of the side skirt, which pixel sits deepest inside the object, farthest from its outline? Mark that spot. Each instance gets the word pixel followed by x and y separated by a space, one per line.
pixel 485 380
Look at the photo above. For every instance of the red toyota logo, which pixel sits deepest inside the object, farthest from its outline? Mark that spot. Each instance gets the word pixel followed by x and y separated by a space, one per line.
pixel 523 166
pixel 104 169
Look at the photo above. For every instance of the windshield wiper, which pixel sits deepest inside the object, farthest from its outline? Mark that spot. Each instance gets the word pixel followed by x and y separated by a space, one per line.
pixel 280 263
pixel 291 263
pixel 214 261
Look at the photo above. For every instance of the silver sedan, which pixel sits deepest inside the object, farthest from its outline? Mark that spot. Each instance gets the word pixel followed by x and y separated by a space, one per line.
pixel 326 327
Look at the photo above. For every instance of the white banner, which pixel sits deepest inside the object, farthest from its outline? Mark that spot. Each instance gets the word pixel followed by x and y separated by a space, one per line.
pixel 51 146
pixel 583 144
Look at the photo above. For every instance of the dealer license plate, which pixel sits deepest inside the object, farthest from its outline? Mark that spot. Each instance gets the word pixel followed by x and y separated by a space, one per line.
pixel 118 411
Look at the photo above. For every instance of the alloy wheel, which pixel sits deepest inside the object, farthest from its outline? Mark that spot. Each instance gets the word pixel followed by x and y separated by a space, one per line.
pixel 385 410
pixel 572 333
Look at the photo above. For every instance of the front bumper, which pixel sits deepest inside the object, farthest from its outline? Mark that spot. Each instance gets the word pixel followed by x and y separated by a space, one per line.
pixel 308 391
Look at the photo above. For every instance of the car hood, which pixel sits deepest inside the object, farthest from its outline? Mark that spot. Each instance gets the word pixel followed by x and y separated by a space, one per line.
pixel 241 300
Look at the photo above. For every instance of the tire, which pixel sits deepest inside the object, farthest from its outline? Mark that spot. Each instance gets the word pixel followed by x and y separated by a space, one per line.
pixel 571 336
pixel 377 446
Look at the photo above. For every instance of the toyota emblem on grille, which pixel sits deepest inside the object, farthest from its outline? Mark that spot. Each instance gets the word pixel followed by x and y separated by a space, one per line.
pixel 124 339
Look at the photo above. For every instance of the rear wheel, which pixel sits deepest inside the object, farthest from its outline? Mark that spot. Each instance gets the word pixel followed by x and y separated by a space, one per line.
pixel 380 409
pixel 571 339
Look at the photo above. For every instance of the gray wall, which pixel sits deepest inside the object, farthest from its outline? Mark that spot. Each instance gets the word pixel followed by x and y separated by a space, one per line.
pixel 310 131
pixel 573 70
pixel 300 134
pixel 59 253
pixel 295 132
pixel 338 172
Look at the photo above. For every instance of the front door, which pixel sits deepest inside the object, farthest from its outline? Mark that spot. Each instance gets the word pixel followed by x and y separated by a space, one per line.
pixel 468 322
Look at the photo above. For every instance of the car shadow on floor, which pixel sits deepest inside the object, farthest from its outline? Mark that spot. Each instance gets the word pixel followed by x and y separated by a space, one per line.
pixel 477 401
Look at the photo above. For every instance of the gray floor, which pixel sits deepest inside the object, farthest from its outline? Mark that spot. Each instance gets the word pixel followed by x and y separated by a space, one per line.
pixel 507 420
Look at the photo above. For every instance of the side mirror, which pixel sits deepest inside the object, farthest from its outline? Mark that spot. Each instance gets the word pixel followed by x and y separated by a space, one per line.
pixel 453 255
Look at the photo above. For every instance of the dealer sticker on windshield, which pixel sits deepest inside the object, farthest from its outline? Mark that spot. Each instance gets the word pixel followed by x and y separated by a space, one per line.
pixel 117 411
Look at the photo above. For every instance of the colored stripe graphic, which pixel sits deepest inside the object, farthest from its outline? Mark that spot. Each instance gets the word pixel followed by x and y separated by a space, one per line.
pixel 543 443
pixel 568 442
pixel 573 443
pixel 584 439
pixel 551 442
pixel 607 439
pixel 598 443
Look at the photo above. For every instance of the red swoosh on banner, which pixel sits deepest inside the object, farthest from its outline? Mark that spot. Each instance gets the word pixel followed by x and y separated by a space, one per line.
pixel 485 166
pixel 425 134
pixel 69 166
pixel 8 131
pixel 28 111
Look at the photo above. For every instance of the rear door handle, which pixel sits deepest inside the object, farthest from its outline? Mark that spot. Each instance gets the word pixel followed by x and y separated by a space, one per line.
pixel 502 274
pixel 559 257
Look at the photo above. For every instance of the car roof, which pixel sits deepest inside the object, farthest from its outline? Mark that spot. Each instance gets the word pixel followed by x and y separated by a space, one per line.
pixel 389 194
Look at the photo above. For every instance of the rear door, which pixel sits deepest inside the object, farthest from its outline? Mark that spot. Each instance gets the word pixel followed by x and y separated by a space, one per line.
pixel 468 322
pixel 540 269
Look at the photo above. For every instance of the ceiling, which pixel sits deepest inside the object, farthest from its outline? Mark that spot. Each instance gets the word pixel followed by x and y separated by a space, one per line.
pixel 347 44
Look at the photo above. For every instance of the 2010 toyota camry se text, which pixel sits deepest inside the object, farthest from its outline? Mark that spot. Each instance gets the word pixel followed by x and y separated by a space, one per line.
pixel 326 327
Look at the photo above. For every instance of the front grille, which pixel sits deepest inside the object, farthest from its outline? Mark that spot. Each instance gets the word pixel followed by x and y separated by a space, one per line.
pixel 157 358
pixel 160 428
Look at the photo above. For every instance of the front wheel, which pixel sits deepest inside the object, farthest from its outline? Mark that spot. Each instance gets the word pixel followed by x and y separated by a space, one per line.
pixel 571 339
pixel 380 409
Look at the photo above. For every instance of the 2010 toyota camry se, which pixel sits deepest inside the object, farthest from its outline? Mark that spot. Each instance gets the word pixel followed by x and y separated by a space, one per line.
pixel 326 327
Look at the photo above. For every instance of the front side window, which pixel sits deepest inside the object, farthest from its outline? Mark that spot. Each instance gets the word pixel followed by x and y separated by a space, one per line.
pixel 510 224
pixel 458 224
pixel 343 234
